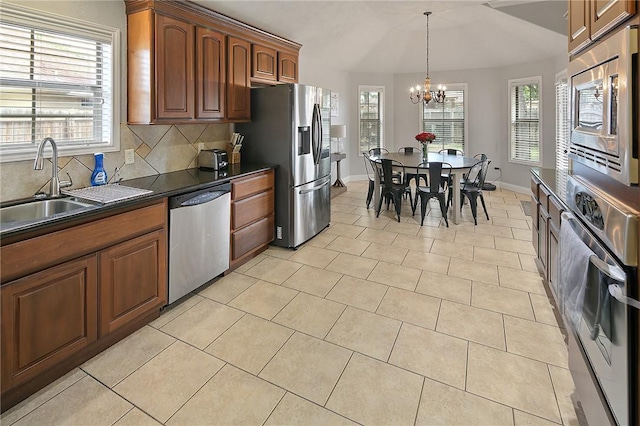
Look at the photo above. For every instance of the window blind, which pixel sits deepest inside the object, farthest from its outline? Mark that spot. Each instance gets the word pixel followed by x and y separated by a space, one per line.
pixel 562 124
pixel 54 83
pixel 446 121
pixel 525 122
pixel 370 118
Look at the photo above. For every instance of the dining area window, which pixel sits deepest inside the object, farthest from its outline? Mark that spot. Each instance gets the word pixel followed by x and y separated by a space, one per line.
pixel 370 118
pixel 525 120
pixel 447 119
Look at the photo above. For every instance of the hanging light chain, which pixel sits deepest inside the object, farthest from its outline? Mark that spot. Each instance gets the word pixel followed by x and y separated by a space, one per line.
pixel 427 41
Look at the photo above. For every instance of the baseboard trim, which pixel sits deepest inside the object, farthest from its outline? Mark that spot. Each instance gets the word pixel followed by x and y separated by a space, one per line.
pixel 514 188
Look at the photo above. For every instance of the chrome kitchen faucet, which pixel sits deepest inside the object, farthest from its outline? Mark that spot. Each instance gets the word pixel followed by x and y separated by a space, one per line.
pixel 56 184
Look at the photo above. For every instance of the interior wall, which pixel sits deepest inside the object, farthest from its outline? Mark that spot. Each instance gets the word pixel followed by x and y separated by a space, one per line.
pixel 323 74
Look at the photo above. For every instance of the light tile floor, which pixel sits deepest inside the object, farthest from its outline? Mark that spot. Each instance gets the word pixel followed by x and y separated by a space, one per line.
pixel 371 322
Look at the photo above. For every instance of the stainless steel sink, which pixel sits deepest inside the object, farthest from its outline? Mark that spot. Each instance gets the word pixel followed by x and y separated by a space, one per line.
pixel 40 210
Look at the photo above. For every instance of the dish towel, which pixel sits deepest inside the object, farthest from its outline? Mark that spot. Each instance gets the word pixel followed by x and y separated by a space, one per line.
pixel 573 267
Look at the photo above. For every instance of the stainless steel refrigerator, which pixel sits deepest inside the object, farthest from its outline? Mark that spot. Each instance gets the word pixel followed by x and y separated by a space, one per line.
pixel 289 127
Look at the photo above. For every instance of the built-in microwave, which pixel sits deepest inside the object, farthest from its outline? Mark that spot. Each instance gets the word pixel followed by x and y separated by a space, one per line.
pixel 603 81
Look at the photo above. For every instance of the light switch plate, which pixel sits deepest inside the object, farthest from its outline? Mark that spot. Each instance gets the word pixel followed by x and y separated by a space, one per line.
pixel 129 156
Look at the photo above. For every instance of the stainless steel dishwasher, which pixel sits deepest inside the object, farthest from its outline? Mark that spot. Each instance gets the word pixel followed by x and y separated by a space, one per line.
pixel 198 238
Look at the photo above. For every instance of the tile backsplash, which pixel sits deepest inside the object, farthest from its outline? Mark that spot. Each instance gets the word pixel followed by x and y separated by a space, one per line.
pixel 158 149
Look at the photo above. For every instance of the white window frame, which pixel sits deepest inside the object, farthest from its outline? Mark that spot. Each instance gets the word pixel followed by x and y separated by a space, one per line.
pixel 521 82
pixel 562 120
pixel 372 88
pixel 20 15
pixel 464 87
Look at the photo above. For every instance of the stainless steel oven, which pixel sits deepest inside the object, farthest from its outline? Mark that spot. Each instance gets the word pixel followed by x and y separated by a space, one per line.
pixel 602 89
pixel 600 307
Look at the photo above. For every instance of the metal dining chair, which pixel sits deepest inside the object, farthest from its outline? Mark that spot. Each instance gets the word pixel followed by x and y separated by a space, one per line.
pixel 472 187
pixel 451 151
pixel 391 189
pixel 434 189
pixel 410 150
pixel 378 151
pixel 371 170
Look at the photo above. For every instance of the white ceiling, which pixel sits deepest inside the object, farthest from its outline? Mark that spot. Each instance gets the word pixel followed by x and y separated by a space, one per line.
pixel 389 36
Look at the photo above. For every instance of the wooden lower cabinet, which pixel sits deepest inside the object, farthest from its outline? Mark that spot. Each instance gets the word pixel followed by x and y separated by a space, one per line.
pixel 69 294
pixel 252 216
pixel 131 280
pixel 47 317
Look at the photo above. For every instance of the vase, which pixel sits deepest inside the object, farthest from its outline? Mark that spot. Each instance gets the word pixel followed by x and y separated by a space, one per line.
pixel 425 150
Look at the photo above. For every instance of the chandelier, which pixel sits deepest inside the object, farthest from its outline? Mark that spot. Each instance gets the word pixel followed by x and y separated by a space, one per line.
pixel 425 94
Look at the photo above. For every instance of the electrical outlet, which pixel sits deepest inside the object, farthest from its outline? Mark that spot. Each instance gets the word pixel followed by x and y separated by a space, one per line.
pixel 201 147
pixel 129 156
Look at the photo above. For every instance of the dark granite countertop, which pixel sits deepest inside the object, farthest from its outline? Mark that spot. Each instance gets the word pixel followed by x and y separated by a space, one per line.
pixel 555 180
pixel 163 185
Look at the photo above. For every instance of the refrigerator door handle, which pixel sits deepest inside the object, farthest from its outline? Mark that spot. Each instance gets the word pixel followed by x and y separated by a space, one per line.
pixel 316 133
pixel 315 188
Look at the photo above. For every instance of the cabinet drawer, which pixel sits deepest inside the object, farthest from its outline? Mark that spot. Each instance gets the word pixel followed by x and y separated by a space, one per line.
pixel 555 210
pixel 251 209
pixel 544 198
pixel 251 185
pixel 534 188
pixel 251 237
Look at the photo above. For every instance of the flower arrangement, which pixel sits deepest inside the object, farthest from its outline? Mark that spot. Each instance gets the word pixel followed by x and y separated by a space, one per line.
pixel 425 137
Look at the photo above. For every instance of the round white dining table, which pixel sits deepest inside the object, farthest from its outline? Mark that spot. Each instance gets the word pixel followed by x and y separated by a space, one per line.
pixel 459 166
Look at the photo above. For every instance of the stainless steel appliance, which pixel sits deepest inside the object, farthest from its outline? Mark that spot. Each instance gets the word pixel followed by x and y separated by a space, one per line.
pixel 602 81
pixel 290 127
pixel 603 325
pixel 199 224
pixel 216 159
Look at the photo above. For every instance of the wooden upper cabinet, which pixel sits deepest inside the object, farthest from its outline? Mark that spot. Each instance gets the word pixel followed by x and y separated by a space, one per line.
pixel 239 79
pixel 579 35
pixel 188 64
pixel 211 60
pixel 174 68
pixel 287 67
pixel 591 19
pixel 605 14
pixel 264 64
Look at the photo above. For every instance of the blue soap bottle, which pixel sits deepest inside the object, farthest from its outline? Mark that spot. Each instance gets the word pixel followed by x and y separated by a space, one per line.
pixel 99 175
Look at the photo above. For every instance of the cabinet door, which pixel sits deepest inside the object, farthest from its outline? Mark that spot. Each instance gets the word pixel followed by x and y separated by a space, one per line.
pixel 132 280
pixel 605 14
pixel 264 65
pixel 238 79
pixel 552 266
pixel 47 317
pixel 578 24
pixel 543 232
pixel 211 60
pixel 287 68
pixel 174 68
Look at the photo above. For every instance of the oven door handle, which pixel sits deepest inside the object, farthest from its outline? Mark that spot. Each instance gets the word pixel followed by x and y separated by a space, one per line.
pixel 616 291
pixel 612 271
